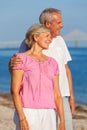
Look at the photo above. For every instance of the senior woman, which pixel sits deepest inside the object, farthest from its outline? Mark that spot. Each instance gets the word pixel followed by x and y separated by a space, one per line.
pixel 35 85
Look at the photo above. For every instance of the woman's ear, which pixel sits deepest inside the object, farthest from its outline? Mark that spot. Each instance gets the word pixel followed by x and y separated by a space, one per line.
pixel 35 37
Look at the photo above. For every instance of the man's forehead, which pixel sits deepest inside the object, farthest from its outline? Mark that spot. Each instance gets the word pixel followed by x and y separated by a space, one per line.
pixel 56 15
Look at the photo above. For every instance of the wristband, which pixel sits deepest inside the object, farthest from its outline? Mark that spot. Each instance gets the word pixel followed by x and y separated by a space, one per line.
pixel 23 119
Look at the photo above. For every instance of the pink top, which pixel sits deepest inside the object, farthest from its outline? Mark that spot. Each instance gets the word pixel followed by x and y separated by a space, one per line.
pixel 37 88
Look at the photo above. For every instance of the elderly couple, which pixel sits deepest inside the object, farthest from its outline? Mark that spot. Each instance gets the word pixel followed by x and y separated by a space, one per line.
pixel 41 81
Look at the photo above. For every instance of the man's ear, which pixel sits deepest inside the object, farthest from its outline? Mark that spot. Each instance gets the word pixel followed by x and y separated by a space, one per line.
pixel 47 24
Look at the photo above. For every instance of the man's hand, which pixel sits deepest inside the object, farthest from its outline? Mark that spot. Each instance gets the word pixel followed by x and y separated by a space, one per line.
pixel 72 104
pixel 14 61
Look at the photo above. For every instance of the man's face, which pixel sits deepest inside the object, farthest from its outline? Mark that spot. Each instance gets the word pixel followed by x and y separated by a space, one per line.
pixel 56 25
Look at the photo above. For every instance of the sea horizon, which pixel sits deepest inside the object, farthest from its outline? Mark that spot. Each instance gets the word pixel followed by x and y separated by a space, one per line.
pixel 78 68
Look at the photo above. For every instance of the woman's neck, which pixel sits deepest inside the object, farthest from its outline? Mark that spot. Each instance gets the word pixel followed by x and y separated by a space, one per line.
pixel 37 54
pixel 36 50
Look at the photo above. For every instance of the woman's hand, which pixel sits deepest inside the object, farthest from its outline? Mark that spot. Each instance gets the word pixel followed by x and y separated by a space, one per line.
pixel 61 126
pixel 24 125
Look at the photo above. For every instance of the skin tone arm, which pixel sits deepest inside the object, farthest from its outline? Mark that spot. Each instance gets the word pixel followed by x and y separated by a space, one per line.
pixel 72 101
pixel 59 103
pixel 16 78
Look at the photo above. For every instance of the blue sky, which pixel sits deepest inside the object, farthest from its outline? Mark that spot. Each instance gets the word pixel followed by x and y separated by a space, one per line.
pixel 17 15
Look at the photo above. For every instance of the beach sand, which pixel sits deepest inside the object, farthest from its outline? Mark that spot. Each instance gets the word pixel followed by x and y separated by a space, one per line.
pixel 7 111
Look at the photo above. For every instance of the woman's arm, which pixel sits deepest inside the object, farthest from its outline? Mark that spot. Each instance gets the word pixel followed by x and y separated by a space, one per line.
pixel 59 103
pixel 16 79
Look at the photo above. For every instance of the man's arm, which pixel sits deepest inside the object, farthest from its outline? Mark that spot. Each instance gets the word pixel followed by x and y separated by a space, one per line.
pixel 15 60
pixel 72 100
pixel 23 47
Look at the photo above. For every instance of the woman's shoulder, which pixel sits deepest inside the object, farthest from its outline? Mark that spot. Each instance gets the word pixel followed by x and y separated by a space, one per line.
pixel 21 54
pixel 24 57
pixel 52 60
pixel 53 65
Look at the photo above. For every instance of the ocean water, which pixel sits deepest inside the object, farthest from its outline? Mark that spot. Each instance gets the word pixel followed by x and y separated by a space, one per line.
pixel 78 68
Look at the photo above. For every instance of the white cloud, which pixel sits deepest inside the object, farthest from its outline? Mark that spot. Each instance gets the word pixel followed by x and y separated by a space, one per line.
pixel 10 44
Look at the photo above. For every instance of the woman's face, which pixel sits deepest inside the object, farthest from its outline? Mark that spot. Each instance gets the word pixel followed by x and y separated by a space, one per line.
pixel 44 39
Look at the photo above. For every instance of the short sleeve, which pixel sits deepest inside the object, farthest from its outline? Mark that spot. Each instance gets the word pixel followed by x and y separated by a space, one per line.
pixel 20 66
pixel 67 55
pixel 55 67
pixel 64 48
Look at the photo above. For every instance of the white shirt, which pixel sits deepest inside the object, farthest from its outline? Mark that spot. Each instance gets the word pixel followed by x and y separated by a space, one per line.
pixel 58 50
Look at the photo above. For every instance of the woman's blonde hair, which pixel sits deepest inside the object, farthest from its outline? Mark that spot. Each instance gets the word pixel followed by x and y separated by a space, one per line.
pixel 35 29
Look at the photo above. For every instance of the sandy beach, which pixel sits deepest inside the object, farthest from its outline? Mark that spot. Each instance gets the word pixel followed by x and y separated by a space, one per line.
pixel 7 111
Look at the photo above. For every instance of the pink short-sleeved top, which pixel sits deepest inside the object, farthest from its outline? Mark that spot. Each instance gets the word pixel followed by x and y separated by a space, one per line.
pixel 37 87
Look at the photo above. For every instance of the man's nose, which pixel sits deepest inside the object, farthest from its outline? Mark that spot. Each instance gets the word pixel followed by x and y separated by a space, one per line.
pixel 61 25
